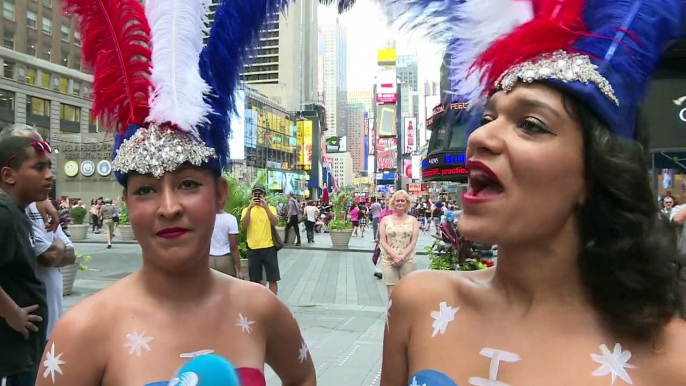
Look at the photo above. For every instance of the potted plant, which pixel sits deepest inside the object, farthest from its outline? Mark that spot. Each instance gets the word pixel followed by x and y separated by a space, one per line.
pixel 451 251
pixel 69 273
pixel 340 233
pixel 124 225
pixel 78 229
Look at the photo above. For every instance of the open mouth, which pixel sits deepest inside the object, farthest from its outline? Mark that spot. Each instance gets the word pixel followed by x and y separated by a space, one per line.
pixel 481 183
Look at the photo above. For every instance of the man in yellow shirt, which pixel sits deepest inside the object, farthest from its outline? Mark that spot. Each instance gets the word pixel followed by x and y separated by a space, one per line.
pixel 258 218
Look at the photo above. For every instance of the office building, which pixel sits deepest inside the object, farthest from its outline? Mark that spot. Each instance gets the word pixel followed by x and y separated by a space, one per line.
pixel 407 71
pixel 335 77
pixel 365 97
pixel 342 168
pixel 284 65
pixel 356 135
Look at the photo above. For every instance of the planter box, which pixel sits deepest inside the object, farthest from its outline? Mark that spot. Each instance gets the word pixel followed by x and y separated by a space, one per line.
pixel 244 269
pixel 291 235
pixel 126 232
pixel 68 277
pixel 340 239
pixel 78 232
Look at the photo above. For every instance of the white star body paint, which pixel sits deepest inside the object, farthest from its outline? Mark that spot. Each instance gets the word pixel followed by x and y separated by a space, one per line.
pixel 244 323
pixel 304 350
pixel 137 342
pixel 613 363
pixel 196 354
pixel 496 356
pixel 442 317
pixel 52 363
pixel 388 313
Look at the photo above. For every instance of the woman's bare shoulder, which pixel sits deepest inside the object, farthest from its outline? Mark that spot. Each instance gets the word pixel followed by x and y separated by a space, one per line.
pixel 428 288
pixel 668 363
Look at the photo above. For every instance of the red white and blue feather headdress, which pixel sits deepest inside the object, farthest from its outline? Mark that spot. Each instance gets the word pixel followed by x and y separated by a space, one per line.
pixel 167 97
pixel 601 51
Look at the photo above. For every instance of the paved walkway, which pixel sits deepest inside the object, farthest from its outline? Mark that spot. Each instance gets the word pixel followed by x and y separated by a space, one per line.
pixel 322 241
pixel 338 303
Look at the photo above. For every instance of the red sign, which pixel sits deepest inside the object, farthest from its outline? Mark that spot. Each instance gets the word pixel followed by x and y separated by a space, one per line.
pixel 386 153
pixel 445 171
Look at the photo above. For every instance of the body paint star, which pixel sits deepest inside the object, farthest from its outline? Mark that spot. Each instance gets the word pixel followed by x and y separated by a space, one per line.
pixel 303 352
pixel 196 354
pixel 414 382
pixel 136 342
pixel 442 317
pixel 613 363
pixel 388 313
pixel 52 363
pixel 244 323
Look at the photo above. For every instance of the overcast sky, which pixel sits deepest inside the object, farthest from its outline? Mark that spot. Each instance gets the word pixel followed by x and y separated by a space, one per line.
pixel 367 31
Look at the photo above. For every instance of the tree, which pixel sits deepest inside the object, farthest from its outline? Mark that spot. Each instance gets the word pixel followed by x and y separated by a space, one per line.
pixel 343 5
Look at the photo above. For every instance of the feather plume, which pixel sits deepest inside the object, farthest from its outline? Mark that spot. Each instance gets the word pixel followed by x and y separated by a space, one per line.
pixel 115 41
pixel 557 25
pixel 628 38
pixel 466 27
pixel 179 90
pixel 233 33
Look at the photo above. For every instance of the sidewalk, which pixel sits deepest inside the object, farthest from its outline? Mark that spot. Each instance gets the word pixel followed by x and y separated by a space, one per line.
pixel 339 305
pixel 322 242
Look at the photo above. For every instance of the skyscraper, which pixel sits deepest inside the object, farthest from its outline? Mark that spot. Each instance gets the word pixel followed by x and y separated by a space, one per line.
pixel 284 65
pixel 335 77
pixel 355 135
pixel 408 73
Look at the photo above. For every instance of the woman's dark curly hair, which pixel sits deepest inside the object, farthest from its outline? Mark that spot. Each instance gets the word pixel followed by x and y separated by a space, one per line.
pixel 629 262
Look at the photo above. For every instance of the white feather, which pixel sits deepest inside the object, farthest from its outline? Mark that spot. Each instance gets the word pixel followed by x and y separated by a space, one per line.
pixel 476 24
pixel 177 32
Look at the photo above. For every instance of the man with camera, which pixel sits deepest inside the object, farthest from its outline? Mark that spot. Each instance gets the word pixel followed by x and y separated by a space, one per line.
pixel 258 219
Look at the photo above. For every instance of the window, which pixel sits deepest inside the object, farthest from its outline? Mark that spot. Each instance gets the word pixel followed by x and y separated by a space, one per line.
pixel 77 38
pixel 31 47
pixel 64 84
pixel 45 80
pixel 8 40
pixel 47 25
pixel 65 58
pixel 70 113
pixel 76 63
pixel 6 100
pixel 76 88
pixel 65 32
pixel 31 19
pixel 43 131
pixel 8 70
pixel 38 106
pixel 45 54
pixel 31 76
pixel 47 3
pixel 8 9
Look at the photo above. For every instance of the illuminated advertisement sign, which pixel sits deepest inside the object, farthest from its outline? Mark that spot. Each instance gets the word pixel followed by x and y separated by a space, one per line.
pixel 445 167
pixel 387 151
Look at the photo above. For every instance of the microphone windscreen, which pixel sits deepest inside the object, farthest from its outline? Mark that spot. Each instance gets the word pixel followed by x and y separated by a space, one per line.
pixel 206 370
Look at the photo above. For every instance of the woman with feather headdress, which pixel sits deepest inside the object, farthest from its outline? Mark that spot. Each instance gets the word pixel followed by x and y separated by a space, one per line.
pixel 168 100
pixel 588 288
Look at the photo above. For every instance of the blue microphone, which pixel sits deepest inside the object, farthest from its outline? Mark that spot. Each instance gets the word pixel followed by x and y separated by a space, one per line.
pixel 206 370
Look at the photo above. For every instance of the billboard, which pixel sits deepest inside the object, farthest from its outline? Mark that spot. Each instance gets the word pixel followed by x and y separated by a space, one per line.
pixel 335 144
pixel 250 117
pixel 445 167
pixel 366 141
pixel 300 142
pixel 237 137
pixel 307 141
pixel 386 86
pixel 386 57
pixel 387 150
pixel 385 118
pixel 407 167
pixel 410 133
pixel 665 107
pixel 372 136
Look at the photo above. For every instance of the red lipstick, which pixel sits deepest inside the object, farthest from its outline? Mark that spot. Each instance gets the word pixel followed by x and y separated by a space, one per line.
pixel 172 233
pixel 484 185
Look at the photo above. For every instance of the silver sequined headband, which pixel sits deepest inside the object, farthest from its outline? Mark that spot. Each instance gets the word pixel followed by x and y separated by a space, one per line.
pixel 559 65
pixel 156 150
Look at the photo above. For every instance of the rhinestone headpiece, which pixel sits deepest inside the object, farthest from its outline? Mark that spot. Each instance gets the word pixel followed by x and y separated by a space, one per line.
pixel 156 150
pixel 559 65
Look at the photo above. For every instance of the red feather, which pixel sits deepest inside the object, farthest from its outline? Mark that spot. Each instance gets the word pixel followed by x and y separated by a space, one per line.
pixel 116 44
pixel 556 25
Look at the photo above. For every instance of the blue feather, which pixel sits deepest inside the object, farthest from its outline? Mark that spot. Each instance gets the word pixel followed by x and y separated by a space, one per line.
pixel 233 33
pixel 627 40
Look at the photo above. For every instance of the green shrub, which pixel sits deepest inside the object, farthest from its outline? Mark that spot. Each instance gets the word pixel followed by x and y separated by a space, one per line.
pixel 78 214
